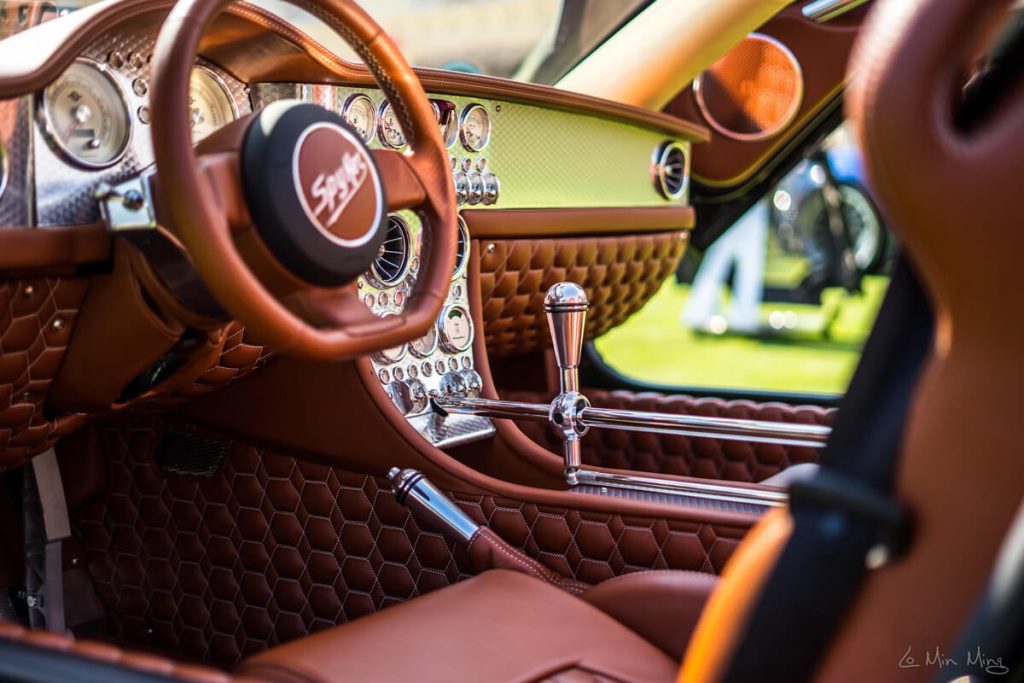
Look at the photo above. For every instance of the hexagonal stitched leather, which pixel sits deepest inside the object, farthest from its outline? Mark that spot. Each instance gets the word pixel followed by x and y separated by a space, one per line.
pixel 37 317
pixel 273 548
pixel 683 455
pixel 619 273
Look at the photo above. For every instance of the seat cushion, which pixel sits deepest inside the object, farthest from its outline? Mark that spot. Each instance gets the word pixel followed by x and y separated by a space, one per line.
pixel 499 626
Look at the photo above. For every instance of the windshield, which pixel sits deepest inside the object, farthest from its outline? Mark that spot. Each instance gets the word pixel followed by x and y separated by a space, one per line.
pixel 529 40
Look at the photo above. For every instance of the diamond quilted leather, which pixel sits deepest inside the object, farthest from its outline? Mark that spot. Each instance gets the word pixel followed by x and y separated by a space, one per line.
pixel 273 548
pixel 682 455
pixel 619 273
pixel 238 358
pixel 36 320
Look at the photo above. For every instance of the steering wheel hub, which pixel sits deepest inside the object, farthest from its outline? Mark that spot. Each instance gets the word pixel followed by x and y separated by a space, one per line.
pixel 314 192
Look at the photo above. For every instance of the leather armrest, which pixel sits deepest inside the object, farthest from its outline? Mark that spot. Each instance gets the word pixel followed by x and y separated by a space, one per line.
pixel 661 606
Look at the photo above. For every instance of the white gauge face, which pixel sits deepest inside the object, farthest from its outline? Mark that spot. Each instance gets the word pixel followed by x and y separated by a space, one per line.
pixel 86 116
pixel 210 105
pixel 425 345
pixel 456 328
pixel 358 112
pixel 476 128
pixel 388 129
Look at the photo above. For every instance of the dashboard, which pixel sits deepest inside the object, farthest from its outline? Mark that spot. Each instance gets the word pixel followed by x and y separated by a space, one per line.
pixel 90 127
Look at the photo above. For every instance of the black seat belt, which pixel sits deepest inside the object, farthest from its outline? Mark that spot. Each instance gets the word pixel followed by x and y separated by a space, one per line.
pixel 845 519
pixel 46 526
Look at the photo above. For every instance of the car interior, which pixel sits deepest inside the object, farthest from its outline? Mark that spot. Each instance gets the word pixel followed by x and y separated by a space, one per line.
pixel 298 376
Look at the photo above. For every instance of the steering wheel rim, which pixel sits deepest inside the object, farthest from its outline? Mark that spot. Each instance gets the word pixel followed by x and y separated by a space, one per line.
pixel 198 203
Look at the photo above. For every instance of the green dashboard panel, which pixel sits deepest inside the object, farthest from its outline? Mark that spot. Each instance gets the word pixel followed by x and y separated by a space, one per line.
pixel 543 157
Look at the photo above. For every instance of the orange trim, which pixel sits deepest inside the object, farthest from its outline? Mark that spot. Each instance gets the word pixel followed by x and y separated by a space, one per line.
pixel 730 605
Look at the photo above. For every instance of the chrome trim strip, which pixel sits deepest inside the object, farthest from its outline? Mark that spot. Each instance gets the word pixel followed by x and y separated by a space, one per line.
pixel 486 407
pixel 822 11
pixel 728 429
pixel 730 494
pixel 758 431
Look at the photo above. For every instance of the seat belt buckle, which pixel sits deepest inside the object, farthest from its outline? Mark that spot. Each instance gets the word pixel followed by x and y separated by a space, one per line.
pixel 889 520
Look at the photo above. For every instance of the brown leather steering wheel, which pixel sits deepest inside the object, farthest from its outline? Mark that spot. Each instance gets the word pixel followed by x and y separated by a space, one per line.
pixel 313 196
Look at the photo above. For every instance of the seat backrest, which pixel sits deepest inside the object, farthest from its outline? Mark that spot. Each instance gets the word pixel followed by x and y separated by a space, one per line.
pixel 949 193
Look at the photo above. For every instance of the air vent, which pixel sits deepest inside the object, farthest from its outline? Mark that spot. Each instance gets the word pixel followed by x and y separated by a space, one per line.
pixel 671 170
pixel 392 261
pixel 462 249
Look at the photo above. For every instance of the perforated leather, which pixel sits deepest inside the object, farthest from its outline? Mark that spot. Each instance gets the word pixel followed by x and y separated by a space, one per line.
pixel 683 455
pixel 37 317
pixel 273 548
pixel 619 273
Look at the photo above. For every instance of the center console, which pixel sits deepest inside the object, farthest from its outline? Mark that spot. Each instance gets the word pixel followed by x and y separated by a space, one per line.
pixel 441 363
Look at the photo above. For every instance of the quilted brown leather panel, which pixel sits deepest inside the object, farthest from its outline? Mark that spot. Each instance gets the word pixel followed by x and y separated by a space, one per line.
pixel 37 317
pixel 112 655
pixel 683 455
pixel 619 273
pixel 273 548
pixel 238 358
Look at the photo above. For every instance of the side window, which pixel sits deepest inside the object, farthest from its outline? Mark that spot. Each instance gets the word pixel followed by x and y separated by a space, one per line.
pixel 782 302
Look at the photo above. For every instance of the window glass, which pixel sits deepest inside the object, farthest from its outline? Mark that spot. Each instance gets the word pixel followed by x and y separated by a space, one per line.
pixel 528 40
pixel 782 301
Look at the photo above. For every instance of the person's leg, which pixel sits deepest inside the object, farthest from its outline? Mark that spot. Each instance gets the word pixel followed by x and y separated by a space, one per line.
pixel 706 292
pixel 748 286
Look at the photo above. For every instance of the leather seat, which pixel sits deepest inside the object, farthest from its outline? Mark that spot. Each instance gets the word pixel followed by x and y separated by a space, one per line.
pixel 498 626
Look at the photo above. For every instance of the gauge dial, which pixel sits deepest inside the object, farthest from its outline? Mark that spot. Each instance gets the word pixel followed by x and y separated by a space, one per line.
pixel 388 129
pixel 358 112
pixel 455 329
pixel 425 345
pixel 475 128
pixel 210 104
pixel 446 114
pixel 86 117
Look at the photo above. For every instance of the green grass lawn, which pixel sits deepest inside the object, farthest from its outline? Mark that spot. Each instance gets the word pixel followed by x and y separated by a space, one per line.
pixel 653 346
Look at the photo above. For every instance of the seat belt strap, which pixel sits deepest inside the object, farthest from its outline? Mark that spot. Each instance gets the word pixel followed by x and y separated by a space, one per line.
pixel 845 520
pixel 46 526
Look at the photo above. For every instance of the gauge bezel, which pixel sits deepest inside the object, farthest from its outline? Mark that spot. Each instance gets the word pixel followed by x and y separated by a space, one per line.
pixel 442 336
pixel 469 109
pixel 224 89
pixel 53 140
pixel 460 267
pixel 347 106
pixel 433 347
pixel 381 137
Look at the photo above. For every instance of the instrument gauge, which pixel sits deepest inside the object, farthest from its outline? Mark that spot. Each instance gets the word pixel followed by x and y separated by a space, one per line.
pixel 389 130
pixel 85 116
pixel 425 345
pixel 455 329
pixel 475 127
pixel 446 114
pixel 210 103
pixel 359 113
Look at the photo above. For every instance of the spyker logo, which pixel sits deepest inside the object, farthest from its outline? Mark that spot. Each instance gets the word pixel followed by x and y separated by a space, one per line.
pixel 337 184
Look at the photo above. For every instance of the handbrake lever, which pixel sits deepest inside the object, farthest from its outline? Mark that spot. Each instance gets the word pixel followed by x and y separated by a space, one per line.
pixel 485 548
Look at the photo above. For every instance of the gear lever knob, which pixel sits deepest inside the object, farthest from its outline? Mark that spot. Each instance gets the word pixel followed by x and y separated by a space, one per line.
pixel 566 307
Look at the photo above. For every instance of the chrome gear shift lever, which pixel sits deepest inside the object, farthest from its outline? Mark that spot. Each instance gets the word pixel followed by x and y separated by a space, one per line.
pixel 566 307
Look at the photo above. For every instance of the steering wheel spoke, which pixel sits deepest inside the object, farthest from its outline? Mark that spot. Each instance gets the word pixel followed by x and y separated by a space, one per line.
pixel 402 184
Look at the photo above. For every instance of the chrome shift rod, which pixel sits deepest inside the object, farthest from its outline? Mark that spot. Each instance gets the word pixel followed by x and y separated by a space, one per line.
pixel 566 307
pixel 571 415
